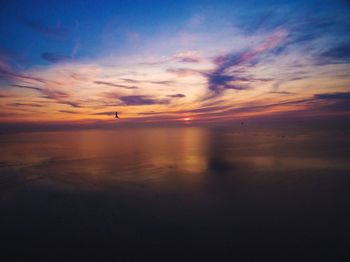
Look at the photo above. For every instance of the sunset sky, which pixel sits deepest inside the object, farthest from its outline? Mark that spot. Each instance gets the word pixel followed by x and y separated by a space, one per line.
pixel 173 61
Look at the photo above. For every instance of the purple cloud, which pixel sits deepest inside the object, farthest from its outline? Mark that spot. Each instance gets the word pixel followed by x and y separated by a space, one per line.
pixel 107 113
pixel 177 96
pixel 68 112
pixel 146 81
pixel 140 100
pixel 183 72
pixel 58 96
pixel 219 79
pixel 25 104
pixel 114 85
pixel 48 93
pixel 7 73
pixel 334 96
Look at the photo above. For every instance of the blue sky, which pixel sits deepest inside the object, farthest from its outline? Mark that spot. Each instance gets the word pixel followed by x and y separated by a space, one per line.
pixel 171 58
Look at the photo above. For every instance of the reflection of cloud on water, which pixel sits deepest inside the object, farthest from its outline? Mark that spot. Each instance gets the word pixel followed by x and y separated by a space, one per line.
pixel 163 157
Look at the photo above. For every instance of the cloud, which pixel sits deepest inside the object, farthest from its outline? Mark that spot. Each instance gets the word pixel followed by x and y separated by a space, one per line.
pixel 25 104
pixel 6 72
pixel 183 72
pixel 107 113
pixel 59 96
pixel 177 96
pixel 45 30
pixel 47 93
pixel 114 85
pixel 70 103
pixel 138 100
pixel 167 82
pixel 68 112
pixel 180 57
pixel 338 54
pixel 29 87
pixel 219 79
pixel 3 96
pixel 334 96
pixel 187 57
pixel 55 58
pixel 150 113
pixel 281 92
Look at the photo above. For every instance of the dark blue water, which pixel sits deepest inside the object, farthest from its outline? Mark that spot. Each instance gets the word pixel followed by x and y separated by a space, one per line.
pixel 175 193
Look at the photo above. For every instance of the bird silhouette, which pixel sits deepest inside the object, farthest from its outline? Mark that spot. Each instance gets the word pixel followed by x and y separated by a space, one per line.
pixel 116 115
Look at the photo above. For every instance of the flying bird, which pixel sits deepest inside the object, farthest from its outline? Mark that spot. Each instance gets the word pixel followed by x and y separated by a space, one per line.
pixel 116 115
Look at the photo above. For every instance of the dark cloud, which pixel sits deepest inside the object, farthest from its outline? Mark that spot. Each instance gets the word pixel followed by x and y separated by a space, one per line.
pixel 319 104
pixel 189 60
pixel 7 73
pixel 107 113
pixel 28 87
pixel 3 96
pixel 8 114
pixel 161 82
pixel 339 53
pixel 146 81
pixel 181 57
pixel 187 57
pixel 140 100
pixel 55 58
pixel 220 79
pixel 114 85
pixel 71 103
pixel 177 96
pixel 334 96
pixel 45 30
pixel 59 96
pixel 207 109
pixel 281 92
pixel 129 80
pixel 68 112
pixel 25 104
pixel 183 72
pixel 47 93
pixel 150 113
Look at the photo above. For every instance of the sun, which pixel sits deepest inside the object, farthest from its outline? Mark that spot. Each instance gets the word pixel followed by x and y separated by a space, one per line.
pixel 187 119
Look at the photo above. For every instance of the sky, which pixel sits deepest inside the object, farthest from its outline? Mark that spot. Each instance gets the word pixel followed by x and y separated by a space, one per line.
pixel 173 61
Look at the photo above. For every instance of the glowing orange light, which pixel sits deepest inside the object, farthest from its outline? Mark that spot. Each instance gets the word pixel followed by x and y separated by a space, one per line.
pixel 187 119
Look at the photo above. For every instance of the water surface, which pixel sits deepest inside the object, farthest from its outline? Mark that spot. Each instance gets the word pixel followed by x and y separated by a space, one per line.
pixel 238 191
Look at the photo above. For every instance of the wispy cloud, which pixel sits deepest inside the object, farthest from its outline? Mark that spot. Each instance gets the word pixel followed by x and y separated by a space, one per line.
pixel 25 105
pixel 183 72
pixel 106 113
pixel 59 97
pixel 340 54
pixel 7 72
pixel 334 96
pixel 189 56
pixel 219 79
pixel 165 82
pixel 177 96
pixel 115 85
pixel 47 93
pixel 139 100
pixel 261 61
pixel 68 112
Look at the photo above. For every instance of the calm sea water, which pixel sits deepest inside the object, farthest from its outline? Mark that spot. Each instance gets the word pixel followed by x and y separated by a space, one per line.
pixel 178 192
